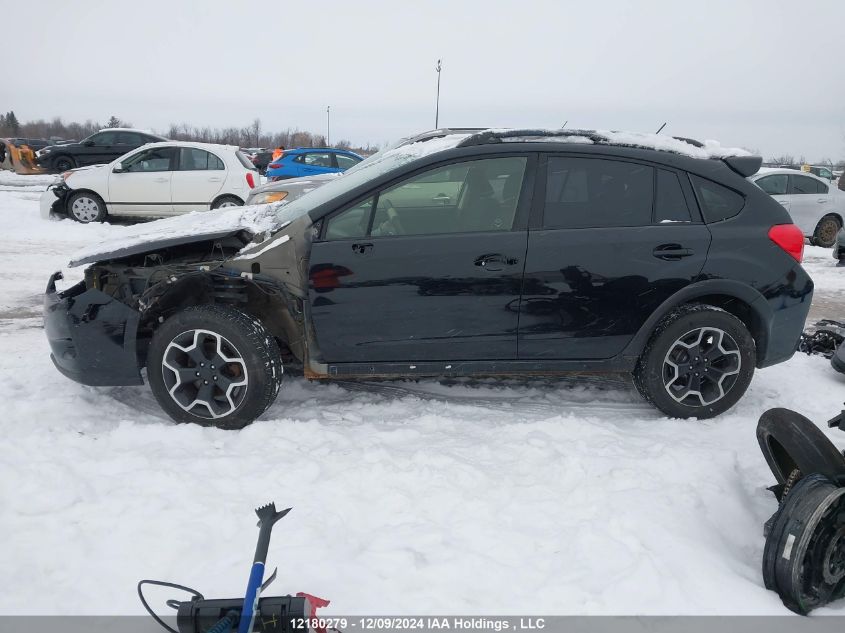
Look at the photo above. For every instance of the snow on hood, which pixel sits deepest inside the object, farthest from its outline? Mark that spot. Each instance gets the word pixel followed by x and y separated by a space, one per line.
pixel 191 227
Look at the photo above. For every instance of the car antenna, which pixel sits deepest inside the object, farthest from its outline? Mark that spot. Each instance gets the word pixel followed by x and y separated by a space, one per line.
pixel 564 124
pixel 660 128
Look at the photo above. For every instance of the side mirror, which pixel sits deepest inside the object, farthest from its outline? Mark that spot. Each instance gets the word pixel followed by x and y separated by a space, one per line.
pixel 88 143
pixel 118 169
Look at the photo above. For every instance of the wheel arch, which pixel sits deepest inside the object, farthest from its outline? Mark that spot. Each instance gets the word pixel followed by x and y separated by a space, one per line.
pixel 740 300
pixel 203 288
pixel 222 196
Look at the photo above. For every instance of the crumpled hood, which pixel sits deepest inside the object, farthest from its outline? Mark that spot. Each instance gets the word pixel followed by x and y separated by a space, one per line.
pixel 184 229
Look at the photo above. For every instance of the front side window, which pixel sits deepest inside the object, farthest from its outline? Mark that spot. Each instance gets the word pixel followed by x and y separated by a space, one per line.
pixel 806 185
pixel 192 159
pixel 473 196
pixel 717 202
pixel 596 192
pixel 774 185
pixel 156 159
pixel 352 222
pixel 345 162
pixel 105 138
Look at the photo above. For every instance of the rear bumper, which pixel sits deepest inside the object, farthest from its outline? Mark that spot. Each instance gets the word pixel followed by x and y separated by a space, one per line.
pixel 92 335
pixel 788 304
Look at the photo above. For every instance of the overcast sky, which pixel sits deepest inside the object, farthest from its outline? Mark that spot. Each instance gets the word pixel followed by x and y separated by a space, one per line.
pixel 767 75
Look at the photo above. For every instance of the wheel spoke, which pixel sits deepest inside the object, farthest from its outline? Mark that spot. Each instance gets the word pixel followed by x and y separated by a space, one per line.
pixel 698 365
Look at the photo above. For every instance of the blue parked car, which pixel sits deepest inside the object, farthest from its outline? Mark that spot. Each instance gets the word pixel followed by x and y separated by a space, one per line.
pixel 310 161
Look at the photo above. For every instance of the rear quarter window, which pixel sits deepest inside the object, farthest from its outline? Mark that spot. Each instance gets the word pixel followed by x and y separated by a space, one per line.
pixel 717 202
pixel 245 161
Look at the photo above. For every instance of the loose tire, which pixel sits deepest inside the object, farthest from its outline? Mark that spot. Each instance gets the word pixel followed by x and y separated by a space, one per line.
pixel 790 442
pixel 63 163
pixel 826 230
pixel 226 202
pixel 698 363
pixel 215 366
pixel 86 207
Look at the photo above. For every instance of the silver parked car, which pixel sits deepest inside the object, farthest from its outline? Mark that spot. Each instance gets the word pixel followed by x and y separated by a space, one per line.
pixel 816 206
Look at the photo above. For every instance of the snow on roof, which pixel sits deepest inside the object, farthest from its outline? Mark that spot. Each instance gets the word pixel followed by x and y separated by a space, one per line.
pixel 708 149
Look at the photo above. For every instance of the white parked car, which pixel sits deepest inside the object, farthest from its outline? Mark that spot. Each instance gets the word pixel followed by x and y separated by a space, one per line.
pixel 156 180
pixel 815 205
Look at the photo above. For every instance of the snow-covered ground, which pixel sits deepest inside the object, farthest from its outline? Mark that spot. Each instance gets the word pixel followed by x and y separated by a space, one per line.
pixel 561 496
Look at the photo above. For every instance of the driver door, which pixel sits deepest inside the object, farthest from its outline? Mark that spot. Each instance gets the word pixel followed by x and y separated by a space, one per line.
pixel 400 276
pixel 141 185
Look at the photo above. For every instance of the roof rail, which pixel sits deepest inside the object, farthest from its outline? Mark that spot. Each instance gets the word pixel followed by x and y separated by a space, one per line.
pixel 498 136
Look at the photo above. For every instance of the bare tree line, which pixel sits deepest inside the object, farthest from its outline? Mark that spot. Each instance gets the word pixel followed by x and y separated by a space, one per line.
pixel 251 136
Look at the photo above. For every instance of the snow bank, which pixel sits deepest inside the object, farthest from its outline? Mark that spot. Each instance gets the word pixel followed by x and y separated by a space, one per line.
pixel 20 180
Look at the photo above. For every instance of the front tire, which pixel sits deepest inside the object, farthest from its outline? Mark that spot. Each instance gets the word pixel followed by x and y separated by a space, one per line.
pixel 86 207
pixel 215 366
pixel 63 163
pixel 226 202
pixel 826 231
pixel 698 363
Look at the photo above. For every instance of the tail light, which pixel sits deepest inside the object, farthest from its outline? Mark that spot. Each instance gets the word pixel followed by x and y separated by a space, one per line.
pixel 790 238
pixel 274 165
pixel 250 180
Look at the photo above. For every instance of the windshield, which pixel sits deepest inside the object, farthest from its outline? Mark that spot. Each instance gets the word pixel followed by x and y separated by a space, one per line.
pixel 379 163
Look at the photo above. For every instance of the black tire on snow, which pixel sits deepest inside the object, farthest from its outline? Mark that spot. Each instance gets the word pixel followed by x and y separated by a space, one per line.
pixel 648 375
pixel 802 558
pixel 250 340
pixel 789 442
pixel 826 231
pixel 63 163
pixel 230 199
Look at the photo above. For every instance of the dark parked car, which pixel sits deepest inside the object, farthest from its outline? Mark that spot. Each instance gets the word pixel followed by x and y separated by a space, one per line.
pixel 102 147
pixel 839 248
pixel 262 159
pixel 494 253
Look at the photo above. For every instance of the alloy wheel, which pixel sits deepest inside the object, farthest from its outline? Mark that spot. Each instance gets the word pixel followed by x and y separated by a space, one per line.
pixel 85 209
pixel 205 374
pixel 701 367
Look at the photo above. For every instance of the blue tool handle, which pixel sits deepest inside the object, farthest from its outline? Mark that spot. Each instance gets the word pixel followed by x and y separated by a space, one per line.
pixel 256 577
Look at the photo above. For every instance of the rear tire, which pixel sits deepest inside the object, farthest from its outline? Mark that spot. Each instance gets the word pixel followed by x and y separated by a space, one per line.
pixel 215 366
pixel 698 363
pixel 826 231
pixel 86 207
pixel 226 202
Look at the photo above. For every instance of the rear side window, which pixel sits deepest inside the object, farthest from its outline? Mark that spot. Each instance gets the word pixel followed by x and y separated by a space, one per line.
pixel 670 205
pixel 804 185
pixel 774 185
pixel 192 159
pixel 594 192
pixel 317 159
pixel 717 202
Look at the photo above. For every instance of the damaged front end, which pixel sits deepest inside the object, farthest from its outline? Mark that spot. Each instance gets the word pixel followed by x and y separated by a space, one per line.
pixel 100 329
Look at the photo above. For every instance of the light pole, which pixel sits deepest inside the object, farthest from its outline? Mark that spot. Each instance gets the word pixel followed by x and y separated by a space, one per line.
pixel 437 107
pixel 329 126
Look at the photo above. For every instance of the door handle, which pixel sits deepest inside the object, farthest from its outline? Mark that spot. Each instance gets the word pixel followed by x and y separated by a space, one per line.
pixel 359 248
pixel 442 197
pixel 495 262
pixel 160 180
pixel 215 179
pixel 671 252
pixel 821 200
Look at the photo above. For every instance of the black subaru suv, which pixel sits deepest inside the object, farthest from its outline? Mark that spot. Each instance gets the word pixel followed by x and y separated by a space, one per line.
pixel 102 147
pixel 487 253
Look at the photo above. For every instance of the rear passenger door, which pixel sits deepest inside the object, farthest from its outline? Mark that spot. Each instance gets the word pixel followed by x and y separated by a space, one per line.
pixel 197 181
pixel 313 163
pixel 609 241
pixel 809 201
